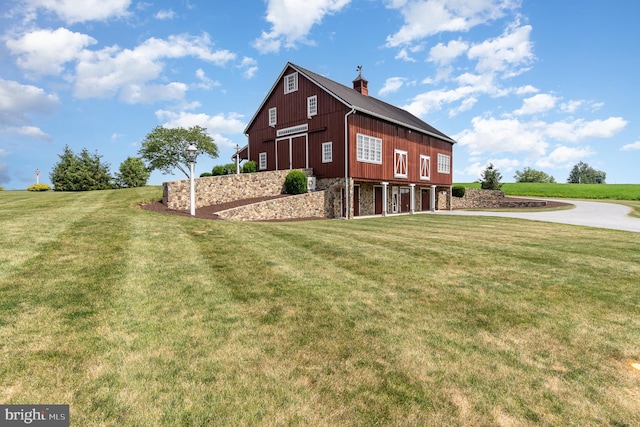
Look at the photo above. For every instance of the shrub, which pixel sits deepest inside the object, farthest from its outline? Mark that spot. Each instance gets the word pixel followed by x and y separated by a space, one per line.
pixel 39 187
pixel 458 191
pixel 250 167
pixel 296 182
pixel 203 174
pixel 1 189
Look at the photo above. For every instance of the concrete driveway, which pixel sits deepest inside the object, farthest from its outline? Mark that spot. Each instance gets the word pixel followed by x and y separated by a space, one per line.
pixel 590 214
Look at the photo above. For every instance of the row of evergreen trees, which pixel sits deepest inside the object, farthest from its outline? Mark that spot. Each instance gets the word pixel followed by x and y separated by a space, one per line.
pixel 86 171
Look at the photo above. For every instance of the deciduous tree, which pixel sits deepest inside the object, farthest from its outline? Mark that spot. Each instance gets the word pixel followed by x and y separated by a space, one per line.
pixel 532 175
pixel 165 149
pixel 133 173
pixel 582 173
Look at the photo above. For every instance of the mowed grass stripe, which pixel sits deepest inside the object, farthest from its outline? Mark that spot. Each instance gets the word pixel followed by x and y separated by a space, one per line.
pixel 44 217
pixel 412 320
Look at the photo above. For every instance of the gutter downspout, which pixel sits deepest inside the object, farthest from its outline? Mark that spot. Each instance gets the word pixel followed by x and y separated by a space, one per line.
pixel 346 163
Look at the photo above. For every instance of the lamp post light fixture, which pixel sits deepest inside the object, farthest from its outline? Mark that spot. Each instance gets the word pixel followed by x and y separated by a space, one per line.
pixel 37 176
pixel 192 153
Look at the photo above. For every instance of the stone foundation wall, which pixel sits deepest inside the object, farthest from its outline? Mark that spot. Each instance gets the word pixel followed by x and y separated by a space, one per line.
pixel 309 205
pixel 213 190
pixel 475 198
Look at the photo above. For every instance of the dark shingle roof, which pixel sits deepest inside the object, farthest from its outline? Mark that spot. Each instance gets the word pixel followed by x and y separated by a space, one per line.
pixel 370 105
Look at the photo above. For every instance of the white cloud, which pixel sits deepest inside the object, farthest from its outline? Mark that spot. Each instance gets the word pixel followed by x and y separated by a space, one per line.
pixel 631 147
pixel 73 11
pixel 112 70
pixel 526 90
pixel 217 126
pixel 250 67
pixel 165 14
pixel 30 131
pixel 533 138
pixel 580 129
pixel 564 157
pixel 205 82
pixel 403 55
pixel 45 51
pixel 423 18
pixel 230 124
pixel 391 85
pixel 536 104
pixel 292 20
pixel 444 54
pixel 507 53
pixel 18 101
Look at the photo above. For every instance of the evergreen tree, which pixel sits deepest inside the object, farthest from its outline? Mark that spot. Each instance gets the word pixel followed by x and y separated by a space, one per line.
pixel 490 178
pixel 82 172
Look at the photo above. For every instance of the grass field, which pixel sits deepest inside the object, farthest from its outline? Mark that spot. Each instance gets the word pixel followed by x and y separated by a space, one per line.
pixel 571 191
pixel 136 318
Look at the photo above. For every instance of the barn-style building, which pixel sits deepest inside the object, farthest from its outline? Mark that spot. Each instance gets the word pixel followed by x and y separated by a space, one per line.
pixel 391 160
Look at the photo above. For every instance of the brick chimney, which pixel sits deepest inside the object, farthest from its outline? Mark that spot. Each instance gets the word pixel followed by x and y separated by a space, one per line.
pixel 360 83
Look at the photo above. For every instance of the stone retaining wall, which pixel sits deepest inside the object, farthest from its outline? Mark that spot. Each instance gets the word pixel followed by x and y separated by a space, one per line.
pixel 309 205
pixel 213 190
pixel 475 198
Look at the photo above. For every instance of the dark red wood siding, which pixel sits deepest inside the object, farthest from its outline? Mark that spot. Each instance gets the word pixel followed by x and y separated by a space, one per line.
pixel 395 137
pixel 329 126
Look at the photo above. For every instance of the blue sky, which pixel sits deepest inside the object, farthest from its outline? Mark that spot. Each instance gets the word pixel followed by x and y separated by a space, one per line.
pixel 518 83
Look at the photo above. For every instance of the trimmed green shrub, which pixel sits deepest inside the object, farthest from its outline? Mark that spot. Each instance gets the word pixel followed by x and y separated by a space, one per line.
pixel 458 191
pixel 250 167
pixel 296 182
pixel 39 187
pixel 203 174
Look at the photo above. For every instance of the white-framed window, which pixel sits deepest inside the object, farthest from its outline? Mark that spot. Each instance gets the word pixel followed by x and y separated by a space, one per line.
pixel 425 167
pixel 444 163
pixel 273 116
pixel 368 149
pixel 290 83
pixel 400 163
pixel 312 105
pixel 327 152
pixel 262 164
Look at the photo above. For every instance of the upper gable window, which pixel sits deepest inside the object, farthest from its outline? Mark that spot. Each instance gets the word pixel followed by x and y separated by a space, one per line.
pixel 273 116
pixel 290 83
pixel 312 105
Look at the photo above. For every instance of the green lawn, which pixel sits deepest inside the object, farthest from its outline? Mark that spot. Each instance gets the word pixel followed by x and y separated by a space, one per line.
pixel 571 191
pixel 136 318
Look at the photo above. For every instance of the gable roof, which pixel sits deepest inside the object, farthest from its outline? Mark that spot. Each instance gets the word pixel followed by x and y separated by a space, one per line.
pixel 362 103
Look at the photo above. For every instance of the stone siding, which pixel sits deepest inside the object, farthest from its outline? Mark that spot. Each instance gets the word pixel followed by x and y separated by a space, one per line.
pixel 213 190
pixel 475 198
pixel 309 205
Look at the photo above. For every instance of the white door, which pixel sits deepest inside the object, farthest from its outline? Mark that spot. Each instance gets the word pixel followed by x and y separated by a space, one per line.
pixel 394 200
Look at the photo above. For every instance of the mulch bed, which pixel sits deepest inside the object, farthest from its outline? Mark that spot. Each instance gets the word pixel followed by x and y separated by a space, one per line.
pixel 209 212
pixel 206 212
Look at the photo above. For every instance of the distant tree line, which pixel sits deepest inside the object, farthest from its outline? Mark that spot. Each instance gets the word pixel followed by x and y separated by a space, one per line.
pixel 581 173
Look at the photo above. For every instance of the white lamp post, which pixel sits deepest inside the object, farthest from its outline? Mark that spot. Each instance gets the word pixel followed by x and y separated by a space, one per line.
pixel 192 153
pixel 37 176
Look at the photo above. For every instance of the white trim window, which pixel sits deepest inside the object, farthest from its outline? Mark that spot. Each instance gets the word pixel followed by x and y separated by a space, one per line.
pixel 262 161
pixel 400 163
pixel 368 149
pixel 290 83
pixel 273 116
pixel 444 163
pixel 425 167
pixel 312 106
pixel 327 152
